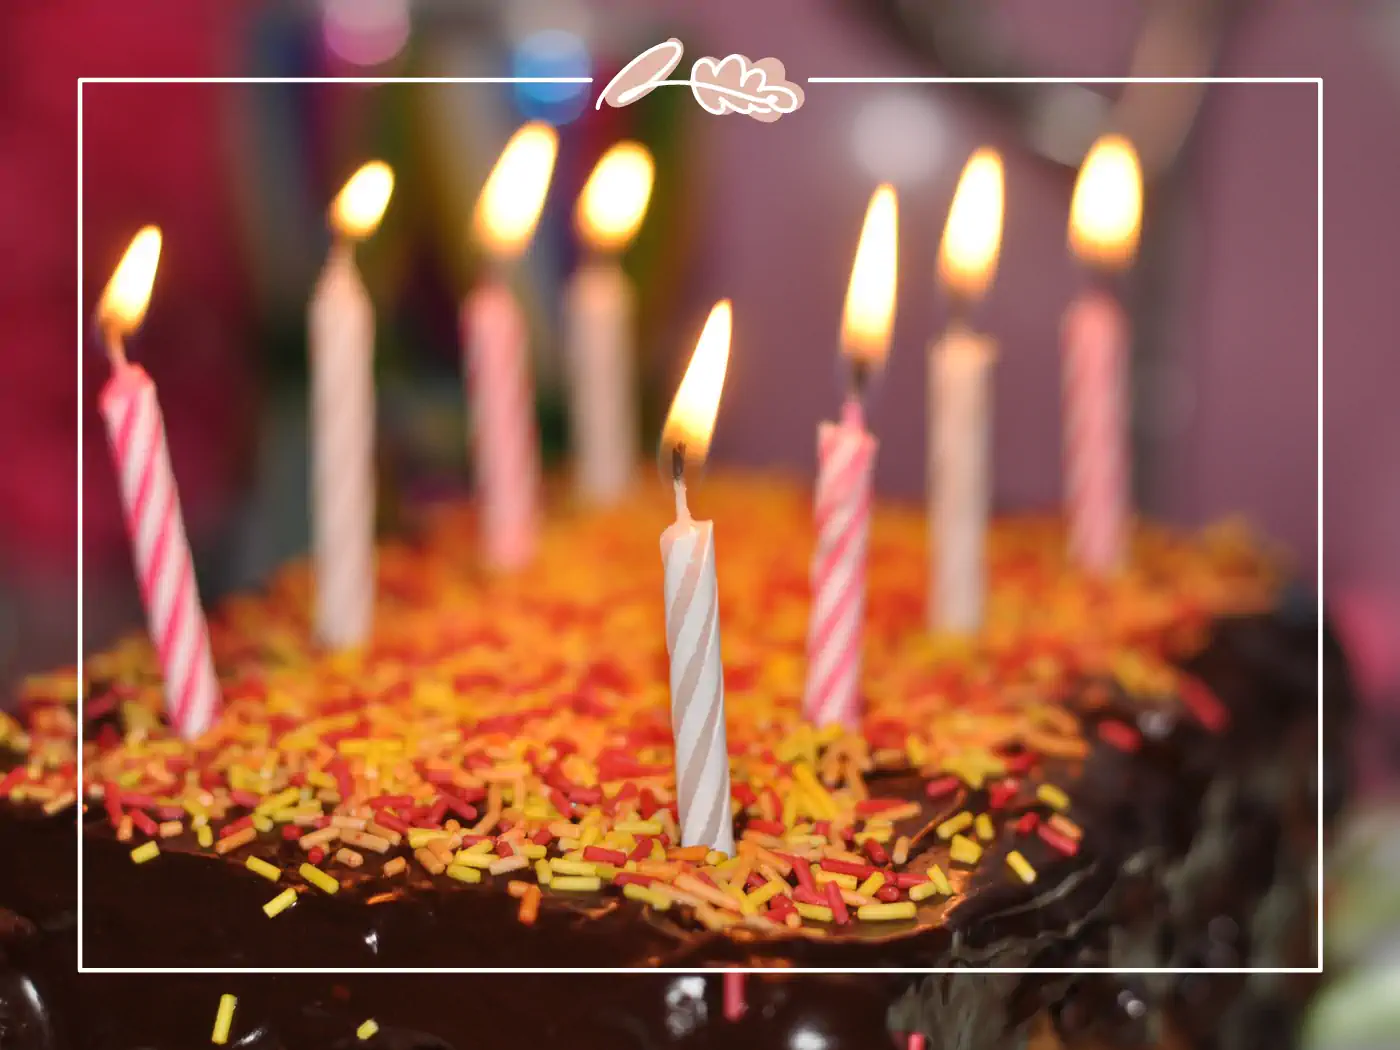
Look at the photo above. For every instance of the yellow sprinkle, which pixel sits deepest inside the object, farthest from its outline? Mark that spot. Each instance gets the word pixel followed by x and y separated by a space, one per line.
pixel 715 858
pixel 1052 796
pixel 751 902
pixel 573 867
pixel 474 860
pixel 576 882
pixel 204 835
pixel 953 825
pixel 280 903
pixel 983 824
pixel 936 876
pixel 544 874
pixel 634 892
pixel 885 912
pixel 964 850
pixel 639 827
pixel 258 866
pixel 920 891
pixel 532 850
pixel 417 837
pixel 815 912
pixel 262 823
pixel 484 846
pixel 841 878
pixel 1020 866
pixel 871 886
pixel 463 873
pixel 223 1020
pixel 146 851
pixel 367 1030
pixel 319 878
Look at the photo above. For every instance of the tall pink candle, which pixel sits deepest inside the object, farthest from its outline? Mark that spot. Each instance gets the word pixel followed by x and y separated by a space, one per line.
pixel 846 460
pixel 1105 216
pixel 496 353
pixel 503 417
pixel 845 465
pixel 159 547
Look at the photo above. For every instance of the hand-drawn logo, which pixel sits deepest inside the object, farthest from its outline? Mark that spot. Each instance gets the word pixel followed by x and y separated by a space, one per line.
pixel 729 85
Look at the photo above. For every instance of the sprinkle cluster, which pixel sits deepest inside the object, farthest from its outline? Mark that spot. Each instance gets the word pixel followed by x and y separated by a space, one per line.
pixel 514 730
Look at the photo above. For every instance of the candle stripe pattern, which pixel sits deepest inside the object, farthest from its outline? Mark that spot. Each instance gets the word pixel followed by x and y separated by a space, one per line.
pixel 846 458
pixel 342 416
pixel 1096 434
pixel 503 409
pixel 160 550
pixel 697 686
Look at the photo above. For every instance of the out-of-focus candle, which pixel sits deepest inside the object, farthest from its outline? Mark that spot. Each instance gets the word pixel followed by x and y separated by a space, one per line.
pixel 599 315
pixel 1105 216
pixel 845 465
pixel 960 404
pixel 496 362
pixel 692 603
pixel 159 547
pixel 340 340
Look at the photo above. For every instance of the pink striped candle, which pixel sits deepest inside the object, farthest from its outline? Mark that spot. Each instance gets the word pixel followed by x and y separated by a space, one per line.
pixel 1096 432
pixel 846 459
pixel 503 416
pixel 845 463
pixel 1105 216
pixel 160 549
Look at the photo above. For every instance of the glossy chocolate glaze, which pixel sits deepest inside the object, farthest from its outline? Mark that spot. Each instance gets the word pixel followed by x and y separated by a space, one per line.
pixel 1182 840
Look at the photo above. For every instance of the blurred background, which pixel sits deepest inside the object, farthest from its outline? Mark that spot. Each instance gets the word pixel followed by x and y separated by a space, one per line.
pixel 1224 295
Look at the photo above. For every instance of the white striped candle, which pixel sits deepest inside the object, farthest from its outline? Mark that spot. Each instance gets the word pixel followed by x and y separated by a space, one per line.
pixel 846 459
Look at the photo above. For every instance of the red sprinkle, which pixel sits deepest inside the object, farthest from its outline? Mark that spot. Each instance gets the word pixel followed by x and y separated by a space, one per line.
pixel 781 906
pixel 940 786
pixel 241 798
pixel 808 896
pixel 767 827
pixel 1057 841
pixel 1017 764
pixel 915 1041
pixel 1203 703
pixel 803 870
pixel 438 813
pixel 734 1003
pixel 457 805
pixel 235 826
pixel 837 904
pixel 641 851
pixel 504 849
pixel 387 820
pixel 624 877
pixel 888 894
pixel 614 857
pixel 1119 735
pixel 143 822
pixel 12 779
pixel 132 798
pixel 389 801
pixel 875 852
pixel 1002 792
pixel 316 855
pixel 907 879
pixel 1027 823
pixel 109 800
pixel 846 867
pixel 291 832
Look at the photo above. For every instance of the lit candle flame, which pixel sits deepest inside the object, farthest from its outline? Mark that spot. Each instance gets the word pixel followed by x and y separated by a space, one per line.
pixel 691 421
pixel 511 200
pixel 1106 212
pixel 360 205
pixel 123 302
pixel 967 258
pixel 614 200
pixel 869 313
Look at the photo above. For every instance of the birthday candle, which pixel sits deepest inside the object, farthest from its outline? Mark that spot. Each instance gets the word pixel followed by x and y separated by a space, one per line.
pixel 155 526
pixel 340 341
pixel 496 362
pixel 1104 220
pixel 692 605
pixel 599 310
pixel 845 465
pixel 960 363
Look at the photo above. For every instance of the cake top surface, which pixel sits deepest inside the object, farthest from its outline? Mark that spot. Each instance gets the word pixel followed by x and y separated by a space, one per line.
pixel 513 731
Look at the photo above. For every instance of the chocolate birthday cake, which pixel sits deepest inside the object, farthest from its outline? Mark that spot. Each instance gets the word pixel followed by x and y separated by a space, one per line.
pixel 1114 773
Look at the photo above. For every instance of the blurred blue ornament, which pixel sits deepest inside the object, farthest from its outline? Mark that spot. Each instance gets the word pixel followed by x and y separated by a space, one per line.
pixel 551 53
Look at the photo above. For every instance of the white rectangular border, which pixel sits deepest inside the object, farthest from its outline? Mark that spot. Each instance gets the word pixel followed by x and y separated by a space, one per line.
pixel 81 328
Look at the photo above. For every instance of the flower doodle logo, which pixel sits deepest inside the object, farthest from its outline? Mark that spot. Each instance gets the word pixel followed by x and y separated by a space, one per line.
pixel 729 85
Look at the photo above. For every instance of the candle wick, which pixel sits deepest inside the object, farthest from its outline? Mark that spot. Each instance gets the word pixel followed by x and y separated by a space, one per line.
pixel 116 349
pixel 678 478
pixel 860 381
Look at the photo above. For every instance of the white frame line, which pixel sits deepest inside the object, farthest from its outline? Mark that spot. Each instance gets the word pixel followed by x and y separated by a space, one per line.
pixel 82 327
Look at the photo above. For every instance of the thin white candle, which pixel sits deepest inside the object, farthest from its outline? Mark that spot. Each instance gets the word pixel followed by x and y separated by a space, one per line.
pixel 341 346
pixel 599 317
pixel 960 405
pixel 495 352
pixel 692 605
